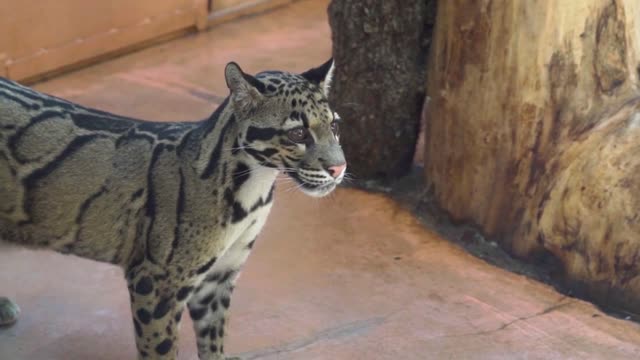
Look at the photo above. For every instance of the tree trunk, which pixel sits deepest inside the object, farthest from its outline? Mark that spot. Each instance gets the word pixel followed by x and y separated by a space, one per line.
pixel 380 49
pixel 533 132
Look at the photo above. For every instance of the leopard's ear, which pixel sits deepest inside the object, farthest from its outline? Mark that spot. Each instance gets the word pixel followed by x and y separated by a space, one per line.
pixel 321 76
pixel 246 90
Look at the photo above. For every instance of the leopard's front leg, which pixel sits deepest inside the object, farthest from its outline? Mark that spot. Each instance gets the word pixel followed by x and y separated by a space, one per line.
pixel 210 302
pixel 208 308
pixel 157 302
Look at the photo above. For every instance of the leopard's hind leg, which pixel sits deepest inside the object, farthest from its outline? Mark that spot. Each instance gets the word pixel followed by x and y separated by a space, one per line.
pixel 8 312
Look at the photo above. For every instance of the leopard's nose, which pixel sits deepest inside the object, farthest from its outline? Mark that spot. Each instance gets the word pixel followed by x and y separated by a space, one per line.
pixel 337 170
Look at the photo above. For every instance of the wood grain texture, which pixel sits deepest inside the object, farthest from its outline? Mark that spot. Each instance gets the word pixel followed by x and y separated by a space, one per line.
pixel 533 134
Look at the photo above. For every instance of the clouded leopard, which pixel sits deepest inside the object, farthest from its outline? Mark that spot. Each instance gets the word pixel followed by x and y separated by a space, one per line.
pixel 176 205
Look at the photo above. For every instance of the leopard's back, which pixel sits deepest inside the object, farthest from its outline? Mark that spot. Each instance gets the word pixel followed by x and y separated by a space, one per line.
pixel 65 181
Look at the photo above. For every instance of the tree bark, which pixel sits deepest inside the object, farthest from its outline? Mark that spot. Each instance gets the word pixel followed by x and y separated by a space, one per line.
pixel 380 50
pixel 533 132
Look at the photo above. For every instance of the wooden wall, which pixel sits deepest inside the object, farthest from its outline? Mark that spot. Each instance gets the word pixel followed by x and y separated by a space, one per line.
pixel 225 10
pixel 38 37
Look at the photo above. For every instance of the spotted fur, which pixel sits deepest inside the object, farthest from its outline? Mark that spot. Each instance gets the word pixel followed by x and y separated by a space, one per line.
pixel 177 205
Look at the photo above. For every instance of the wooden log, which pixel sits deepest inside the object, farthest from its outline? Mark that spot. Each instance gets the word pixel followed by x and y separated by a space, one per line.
pixel 533 132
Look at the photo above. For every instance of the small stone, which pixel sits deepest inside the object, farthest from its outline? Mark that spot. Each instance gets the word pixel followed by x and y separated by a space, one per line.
pixel 8 312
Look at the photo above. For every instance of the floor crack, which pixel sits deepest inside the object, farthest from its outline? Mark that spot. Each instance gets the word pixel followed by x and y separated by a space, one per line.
pixel 354 328
pixel 560 304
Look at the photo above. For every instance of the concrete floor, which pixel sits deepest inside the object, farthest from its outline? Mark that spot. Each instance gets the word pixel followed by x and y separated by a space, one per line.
pixel 348 277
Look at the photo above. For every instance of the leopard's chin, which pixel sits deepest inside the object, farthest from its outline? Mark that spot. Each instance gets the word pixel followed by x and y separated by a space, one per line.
pixel 319 191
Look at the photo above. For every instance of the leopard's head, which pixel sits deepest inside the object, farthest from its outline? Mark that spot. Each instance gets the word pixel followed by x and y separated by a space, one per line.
pixel 287 123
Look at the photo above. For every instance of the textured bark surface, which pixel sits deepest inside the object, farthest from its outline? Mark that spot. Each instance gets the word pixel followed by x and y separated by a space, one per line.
pixel 533 132
pixel 380 49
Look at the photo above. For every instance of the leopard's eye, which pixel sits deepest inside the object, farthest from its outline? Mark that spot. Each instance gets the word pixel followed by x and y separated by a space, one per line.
pixel 335 128
pixel 298 135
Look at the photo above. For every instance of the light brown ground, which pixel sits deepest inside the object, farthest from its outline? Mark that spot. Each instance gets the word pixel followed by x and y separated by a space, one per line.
pixel 349 277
